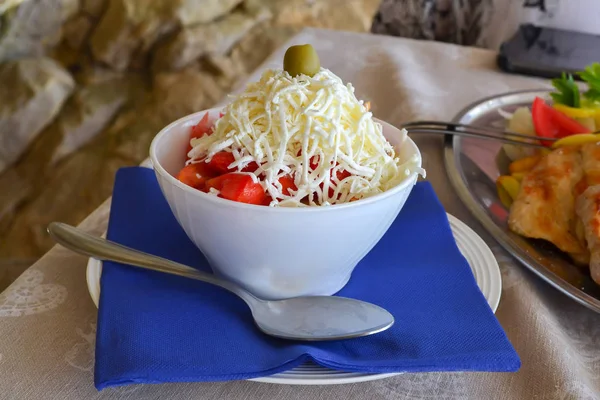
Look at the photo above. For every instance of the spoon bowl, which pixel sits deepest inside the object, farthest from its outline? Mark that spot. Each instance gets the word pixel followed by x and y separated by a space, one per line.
pixel 313 318
pixel 306 318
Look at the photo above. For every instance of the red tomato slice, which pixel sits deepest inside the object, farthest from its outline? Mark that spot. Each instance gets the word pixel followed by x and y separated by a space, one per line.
pixel 287 183
pixel 313 161
pixel 234 186
pixel 568 124
pixel 551 123
pixel 267 200
pixel 195 175
pixel 499 211
pixel 217 182
pixel 342 174
pixel 200 129
pixel 205 170
pixel 238 187
pixel 220 162
pixel 252 193
pixel 251 167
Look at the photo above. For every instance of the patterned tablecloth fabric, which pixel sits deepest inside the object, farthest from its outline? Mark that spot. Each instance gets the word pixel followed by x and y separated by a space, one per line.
pixel 48 321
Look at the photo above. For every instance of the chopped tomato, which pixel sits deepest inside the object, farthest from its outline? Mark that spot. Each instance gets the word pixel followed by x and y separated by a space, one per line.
pixel 342 174
pixel 241 187
pixel 216 182
pixel 571 126
pixel 287 183
pixel 499 211
pixel 267 201
pixel 551 123
pixel 200 129
pixel 220 162
pixel 195 175
pixel 253 193
pixel 330 192
pixel 251 167
pixel 238 187
pixel 313 162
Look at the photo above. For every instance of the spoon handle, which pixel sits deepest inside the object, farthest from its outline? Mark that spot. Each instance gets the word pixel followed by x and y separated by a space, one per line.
pixel 102 249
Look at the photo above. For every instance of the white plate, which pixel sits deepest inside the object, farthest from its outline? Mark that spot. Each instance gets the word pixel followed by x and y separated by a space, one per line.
pixel 478 254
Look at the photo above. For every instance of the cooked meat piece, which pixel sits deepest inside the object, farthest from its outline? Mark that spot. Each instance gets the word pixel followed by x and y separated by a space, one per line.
pixel 588 209
pixel 584 258
pixel 545 206
pixel 590 157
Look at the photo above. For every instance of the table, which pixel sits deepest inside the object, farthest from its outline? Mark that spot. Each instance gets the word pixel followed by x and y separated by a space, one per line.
pixel 48 321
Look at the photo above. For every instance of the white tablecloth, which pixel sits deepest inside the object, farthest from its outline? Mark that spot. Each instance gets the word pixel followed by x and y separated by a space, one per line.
pixel 48 322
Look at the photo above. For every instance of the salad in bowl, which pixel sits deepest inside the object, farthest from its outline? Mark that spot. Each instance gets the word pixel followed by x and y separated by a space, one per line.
pixel 291 184
pixel 294 141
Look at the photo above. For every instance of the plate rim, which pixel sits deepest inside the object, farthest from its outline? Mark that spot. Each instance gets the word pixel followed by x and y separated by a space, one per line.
pixel 484 220
pixel 94 271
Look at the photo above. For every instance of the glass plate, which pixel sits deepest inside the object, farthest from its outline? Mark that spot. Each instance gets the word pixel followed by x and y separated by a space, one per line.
pixel 473 166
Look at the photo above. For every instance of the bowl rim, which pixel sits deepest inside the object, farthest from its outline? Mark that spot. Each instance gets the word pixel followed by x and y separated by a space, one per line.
pixel 158 168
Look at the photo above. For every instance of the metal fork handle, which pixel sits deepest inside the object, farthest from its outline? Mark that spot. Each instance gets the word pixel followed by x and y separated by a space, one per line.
pixel 478 136
pixel 451 126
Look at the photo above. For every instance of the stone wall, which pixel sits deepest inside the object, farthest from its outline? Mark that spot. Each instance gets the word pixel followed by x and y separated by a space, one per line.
pixel 86 84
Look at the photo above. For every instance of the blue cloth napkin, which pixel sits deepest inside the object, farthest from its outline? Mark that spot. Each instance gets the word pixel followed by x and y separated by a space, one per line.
pixel 156 328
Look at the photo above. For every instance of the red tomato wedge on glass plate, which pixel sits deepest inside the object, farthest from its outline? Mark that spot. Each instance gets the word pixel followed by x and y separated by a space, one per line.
pixel 551 123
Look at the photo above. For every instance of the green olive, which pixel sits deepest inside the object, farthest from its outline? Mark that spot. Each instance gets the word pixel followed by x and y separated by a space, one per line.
pixel 301 59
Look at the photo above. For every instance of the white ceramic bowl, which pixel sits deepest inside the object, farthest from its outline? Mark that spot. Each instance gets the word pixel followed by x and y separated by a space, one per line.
pixel 280 252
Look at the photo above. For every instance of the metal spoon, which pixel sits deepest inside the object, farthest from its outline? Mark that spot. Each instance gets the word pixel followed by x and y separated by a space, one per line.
pixel 308 318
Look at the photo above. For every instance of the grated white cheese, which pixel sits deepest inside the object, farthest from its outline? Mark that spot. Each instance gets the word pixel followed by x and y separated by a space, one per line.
pixel 281 122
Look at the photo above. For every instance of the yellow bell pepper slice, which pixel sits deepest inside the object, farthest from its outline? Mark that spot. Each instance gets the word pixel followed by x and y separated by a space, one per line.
pixel 518 176
pixel 577 140
pixel 543 152
pixel 503 196
pixel 580 112
pixel 523 164
pixel 508 189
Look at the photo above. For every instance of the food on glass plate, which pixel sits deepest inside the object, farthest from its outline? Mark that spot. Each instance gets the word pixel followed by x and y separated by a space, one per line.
pixel 554 193
pixel 544 207
pixel 297 137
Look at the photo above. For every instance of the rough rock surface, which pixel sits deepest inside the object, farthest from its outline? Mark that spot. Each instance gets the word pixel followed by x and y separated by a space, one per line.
pixel 76 30
pixel 216 38
pixel 33 26
pixel 93 8
pixel 86 114
pixel 129 28
pixel 126 29
pixel 33 92
pixel 90 111
pixel 190 12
